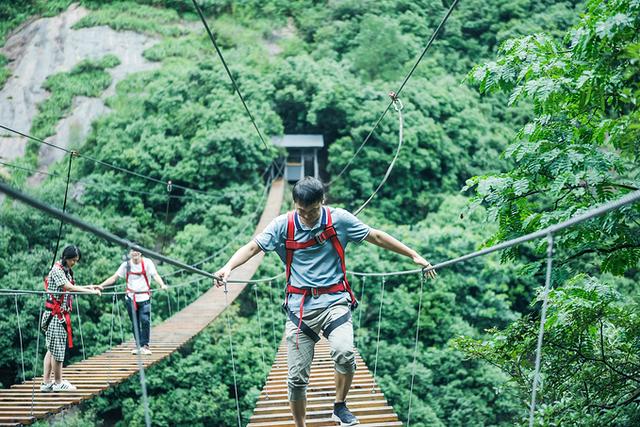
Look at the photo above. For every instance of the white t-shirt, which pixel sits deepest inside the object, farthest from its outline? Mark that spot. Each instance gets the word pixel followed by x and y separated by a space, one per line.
pixel 137 283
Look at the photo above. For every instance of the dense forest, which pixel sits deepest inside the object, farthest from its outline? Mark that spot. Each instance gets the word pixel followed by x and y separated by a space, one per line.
pixel 523 114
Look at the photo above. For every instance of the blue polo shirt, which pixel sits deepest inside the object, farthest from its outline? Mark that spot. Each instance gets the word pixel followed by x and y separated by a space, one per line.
pixel 319 265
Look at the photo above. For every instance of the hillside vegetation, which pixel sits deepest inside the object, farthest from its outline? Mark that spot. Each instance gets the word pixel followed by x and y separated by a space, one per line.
pixel 529 106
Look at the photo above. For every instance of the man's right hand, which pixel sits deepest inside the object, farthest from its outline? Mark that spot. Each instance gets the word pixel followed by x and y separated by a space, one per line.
pixel 221 276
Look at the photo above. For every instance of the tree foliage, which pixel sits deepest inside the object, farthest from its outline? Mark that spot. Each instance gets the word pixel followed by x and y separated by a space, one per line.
pixel 325 67
pixel 577 150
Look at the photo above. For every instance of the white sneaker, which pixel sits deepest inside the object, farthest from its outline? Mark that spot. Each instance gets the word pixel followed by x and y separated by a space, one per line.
pixel 46 387
pixel 134 351
pixel 64 385
pixel 145 351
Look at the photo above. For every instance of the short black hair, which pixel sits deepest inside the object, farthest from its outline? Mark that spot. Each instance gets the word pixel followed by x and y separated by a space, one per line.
pixel 307 191
pixel 70 252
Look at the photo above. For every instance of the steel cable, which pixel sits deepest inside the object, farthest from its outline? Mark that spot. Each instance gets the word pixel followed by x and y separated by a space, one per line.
pixel 404 82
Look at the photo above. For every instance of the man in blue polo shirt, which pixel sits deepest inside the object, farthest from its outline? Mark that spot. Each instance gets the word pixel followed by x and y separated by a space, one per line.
pixel 311 243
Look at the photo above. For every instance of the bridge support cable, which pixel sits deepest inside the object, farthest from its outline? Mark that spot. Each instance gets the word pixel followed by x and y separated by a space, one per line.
pixel 397 93
pixel 85 157
pixel 273 316
pixel 84 354
pixel 177 295
pixel 36 357
pixel 255 290
pixel 415 350
pixel 233 359
pixel 122 339
pixel 20 335
pixel 630 198
pixel 375 365
pixel 543 319
pixel 397 104
pixel 226 67
pixel 143 382
pixel 169 304
pixel 64 209
pixel 165 236
pixel 113 321
pixel 237 234
pixel 361 302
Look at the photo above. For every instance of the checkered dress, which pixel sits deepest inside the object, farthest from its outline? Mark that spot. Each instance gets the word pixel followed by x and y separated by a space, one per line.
pixel 56 332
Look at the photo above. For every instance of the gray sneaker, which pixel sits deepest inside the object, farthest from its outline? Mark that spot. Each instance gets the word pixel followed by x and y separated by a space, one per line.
pixel 64 386
pixel 46 387
pixel 343 415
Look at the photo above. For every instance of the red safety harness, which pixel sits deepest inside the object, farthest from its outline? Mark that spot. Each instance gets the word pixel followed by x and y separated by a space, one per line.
pixel 57 306
pixel 142 273
pixel 291 245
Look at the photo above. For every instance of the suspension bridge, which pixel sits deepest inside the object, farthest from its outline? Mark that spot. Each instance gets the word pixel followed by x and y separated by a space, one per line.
pixel 22 404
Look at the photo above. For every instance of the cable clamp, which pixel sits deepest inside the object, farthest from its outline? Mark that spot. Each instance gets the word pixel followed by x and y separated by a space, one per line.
pixel 397 104
pixel 169 186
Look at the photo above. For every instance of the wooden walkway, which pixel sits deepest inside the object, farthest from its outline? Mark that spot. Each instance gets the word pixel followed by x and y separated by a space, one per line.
pixel 24 403
pixel 365 399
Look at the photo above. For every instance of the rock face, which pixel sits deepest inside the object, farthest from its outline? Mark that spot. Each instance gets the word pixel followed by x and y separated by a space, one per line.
pixel 47 46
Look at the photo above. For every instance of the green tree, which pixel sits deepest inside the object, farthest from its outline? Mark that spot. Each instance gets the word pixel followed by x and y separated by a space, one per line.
pixel 578 150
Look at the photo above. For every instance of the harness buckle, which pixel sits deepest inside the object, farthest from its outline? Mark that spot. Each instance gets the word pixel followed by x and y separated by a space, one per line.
pixel 315 292
pixel 320 238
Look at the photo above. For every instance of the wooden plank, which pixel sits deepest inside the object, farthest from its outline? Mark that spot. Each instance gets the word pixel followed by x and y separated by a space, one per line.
pixel 283 406
pixel 365 420
pixel 365 398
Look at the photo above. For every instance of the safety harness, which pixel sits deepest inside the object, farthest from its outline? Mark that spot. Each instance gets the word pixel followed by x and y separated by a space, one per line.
pixel 57 306
pixel 142 273
pixel 291 245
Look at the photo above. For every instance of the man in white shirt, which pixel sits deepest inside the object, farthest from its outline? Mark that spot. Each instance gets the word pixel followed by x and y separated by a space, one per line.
pixel 136 271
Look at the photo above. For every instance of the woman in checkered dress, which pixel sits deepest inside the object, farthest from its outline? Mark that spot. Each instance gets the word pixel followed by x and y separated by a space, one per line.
pixel 56 319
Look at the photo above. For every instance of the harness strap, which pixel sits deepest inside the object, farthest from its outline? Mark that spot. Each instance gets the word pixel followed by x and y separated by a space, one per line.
pixel 302 326
pixel 329 233
pixel 340 250
pixel 55 306
pixel 56 310
pixel 142 273
pixel 291 229
pixel 338 322
pixel 315 292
